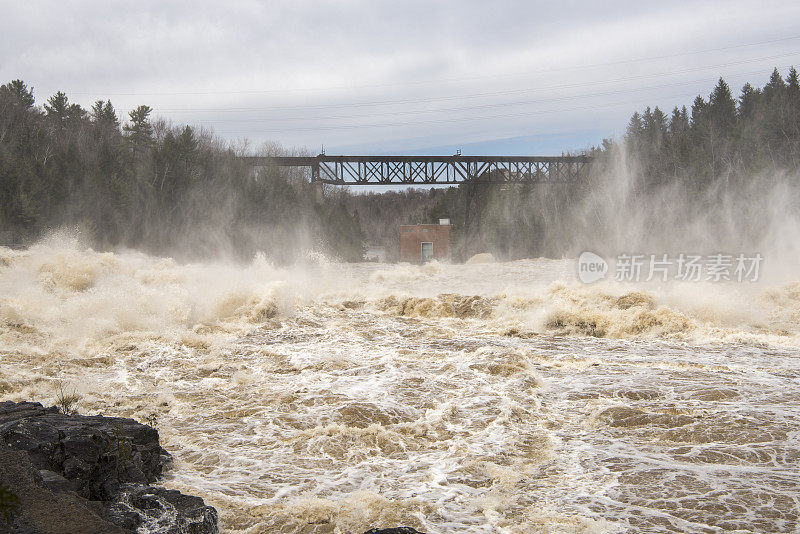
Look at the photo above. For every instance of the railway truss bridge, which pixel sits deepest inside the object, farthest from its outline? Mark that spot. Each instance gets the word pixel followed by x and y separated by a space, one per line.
pixel 432 170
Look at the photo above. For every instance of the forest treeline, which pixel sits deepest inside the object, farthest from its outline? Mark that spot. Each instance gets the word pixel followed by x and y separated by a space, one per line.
pixel 721 137
pixel 174 190
pixel 718 163
pixel 148 185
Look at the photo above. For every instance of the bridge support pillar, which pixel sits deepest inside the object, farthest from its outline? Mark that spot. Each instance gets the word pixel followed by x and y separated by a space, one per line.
pixel 473 229
pixel 316 183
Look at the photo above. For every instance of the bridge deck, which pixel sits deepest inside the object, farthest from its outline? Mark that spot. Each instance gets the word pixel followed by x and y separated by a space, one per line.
pixel 389 170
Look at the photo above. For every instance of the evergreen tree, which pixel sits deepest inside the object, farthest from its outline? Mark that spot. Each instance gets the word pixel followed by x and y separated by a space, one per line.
pixel 139 130
pixel 104 114
pixel 633 134
pixel 678 123
pixel 654 126
pixel 677 140
pixel 792 83
pixel 749 102
pixel 18 90
pixel 792 122
pixel 722 107
pixel 57 109
pixel 775 87
pixel 699 107
pixel 76 113
pixel 187 143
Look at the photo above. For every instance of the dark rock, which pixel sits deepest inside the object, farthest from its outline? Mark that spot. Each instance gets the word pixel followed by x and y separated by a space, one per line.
pixel 155 509
pixel 99 454
pixel 14 411
pixel 395 530
pixel 55 482
pixel 38 438
pixel 90 474
pixel 42 511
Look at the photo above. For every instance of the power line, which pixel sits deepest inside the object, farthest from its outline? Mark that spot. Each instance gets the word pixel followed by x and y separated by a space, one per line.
pixel 440 121
pixel 461 119
pixel 484 94
pixel 450 80
pixel 469 108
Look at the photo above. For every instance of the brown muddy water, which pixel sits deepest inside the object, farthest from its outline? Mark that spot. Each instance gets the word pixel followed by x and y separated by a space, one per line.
pixel 503 397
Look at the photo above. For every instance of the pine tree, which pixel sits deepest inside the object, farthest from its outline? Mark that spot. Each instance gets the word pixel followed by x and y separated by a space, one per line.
pixel 722 107
pixel 104 114
pixel 775 87
pixel 677 140
pixel 76 113
pixel 187 143
pixel 57 109
pixel 792 83
pixel 699 107
pixel 634 127
pixel 20 92
pixel 792 122
pixel 654 127
pixel 750 130
pixel 139 131
pixel 678 122
pixel 749 102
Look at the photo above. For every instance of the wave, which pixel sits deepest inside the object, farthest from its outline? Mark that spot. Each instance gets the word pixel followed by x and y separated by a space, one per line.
pixel 62 297
pixel 703 313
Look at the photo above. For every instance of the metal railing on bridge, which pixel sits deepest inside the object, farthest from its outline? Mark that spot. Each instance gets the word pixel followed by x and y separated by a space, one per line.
pixel 400 170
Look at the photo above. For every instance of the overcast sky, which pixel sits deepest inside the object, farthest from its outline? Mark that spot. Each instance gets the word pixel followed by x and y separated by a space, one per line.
pixel 399 76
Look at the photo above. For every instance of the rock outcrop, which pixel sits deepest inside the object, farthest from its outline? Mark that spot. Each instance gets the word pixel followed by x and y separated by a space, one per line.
pixel 75 473
pixel 163 510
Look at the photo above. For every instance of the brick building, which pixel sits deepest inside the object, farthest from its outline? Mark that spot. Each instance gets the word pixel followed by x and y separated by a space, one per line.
pixel 423 242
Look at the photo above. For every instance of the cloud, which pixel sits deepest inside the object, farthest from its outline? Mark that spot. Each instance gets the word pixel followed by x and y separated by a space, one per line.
pixel 297 71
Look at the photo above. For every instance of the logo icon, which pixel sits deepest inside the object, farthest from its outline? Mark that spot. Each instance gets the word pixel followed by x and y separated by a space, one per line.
pixel 591 267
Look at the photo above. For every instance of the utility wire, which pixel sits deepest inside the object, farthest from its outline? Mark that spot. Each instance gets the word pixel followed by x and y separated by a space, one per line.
pixel 442 121
pixel 467 108
pixel 484 94
pixel 449 80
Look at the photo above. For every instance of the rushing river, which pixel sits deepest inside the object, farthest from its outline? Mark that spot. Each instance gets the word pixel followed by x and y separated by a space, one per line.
pixel 503 397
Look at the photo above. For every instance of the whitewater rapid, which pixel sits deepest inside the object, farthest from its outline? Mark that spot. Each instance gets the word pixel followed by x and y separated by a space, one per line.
pixel 501 397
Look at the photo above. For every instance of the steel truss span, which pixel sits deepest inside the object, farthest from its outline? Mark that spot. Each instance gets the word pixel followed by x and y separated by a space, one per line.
pixel 394 170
